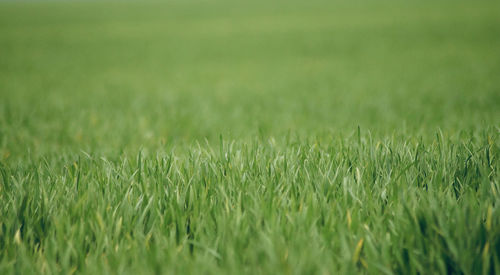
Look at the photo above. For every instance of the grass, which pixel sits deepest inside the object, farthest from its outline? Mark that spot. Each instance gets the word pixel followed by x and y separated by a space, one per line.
pixel 219 137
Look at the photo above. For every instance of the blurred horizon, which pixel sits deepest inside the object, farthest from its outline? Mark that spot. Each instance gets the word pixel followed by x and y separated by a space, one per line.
pixel 84 73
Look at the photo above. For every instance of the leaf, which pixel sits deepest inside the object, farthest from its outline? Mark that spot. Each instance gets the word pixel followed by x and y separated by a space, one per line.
pixel 357 251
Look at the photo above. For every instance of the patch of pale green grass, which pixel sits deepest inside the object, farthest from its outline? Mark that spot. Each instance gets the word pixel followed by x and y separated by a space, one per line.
pixel 253 138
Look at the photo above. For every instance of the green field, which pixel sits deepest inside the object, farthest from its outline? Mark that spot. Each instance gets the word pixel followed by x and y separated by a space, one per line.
pixel 250 137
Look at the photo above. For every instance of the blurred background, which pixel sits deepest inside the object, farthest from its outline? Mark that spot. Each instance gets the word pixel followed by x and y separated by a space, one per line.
pixel 117 76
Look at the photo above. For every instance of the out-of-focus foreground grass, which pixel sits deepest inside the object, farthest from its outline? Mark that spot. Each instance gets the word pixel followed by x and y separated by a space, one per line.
pixel 274 137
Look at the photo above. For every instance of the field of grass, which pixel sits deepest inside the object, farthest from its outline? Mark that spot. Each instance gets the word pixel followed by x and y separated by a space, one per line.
pixel 231 137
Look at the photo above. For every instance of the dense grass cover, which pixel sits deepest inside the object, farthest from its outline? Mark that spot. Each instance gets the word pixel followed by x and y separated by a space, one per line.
pixel 225 138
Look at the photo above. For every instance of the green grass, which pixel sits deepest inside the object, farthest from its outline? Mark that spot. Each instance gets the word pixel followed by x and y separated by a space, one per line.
pixel 200 137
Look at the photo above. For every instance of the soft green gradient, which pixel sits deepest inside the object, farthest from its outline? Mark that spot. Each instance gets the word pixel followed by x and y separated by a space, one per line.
pixel 99 76
pixel 279 133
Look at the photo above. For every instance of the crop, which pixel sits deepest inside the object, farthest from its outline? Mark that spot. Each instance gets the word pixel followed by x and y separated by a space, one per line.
pixel 223 138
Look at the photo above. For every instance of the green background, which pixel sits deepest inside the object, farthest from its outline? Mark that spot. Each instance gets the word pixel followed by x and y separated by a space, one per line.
pixel 256 137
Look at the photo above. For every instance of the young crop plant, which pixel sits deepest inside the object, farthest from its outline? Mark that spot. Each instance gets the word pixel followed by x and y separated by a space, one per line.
pixel 212 137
